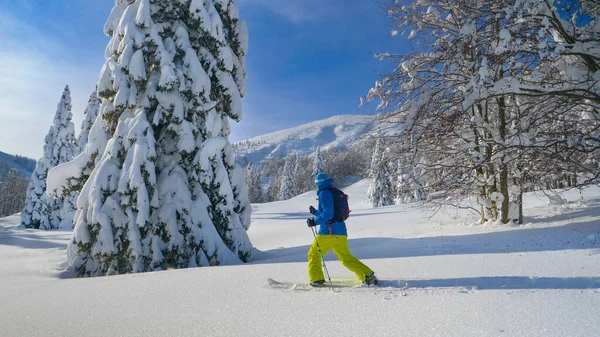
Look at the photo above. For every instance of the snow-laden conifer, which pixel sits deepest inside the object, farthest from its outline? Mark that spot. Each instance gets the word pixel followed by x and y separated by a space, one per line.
pixel 248 179
pixel 296 162
pixel 41 211
pixel 269 194
pixel 163 188
pixel 288 179
pixel 381 191
pixel 37 205
pixel 318 164
pixel 257 188
pixel 253 180
pixel 89 117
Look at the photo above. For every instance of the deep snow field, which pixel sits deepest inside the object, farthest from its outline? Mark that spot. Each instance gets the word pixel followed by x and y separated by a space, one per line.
pixel 441 276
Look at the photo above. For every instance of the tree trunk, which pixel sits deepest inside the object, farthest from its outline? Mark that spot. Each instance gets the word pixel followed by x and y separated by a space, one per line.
pixel 503 166
pixel 504 192
pixel 521 206
pixel 491 172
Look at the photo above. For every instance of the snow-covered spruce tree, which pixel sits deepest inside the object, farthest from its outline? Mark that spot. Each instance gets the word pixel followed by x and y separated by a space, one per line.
pixel 13 191
pixel 297 163
pixel 89 117
pixel 37 205
pixel 276 182
pixel 269 195
pixel 392 166
pixel 381 191
pixel 41 211
pixel 253 181
pixel 164 190
pixel 288 179
pixel 71 194
pixel 318 164
pixel 257 185
pixel 248 179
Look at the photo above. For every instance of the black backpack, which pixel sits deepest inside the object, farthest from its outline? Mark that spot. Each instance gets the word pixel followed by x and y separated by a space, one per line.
pixel 340 204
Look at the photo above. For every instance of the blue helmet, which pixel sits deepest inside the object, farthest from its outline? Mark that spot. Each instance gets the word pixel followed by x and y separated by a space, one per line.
pixel 320 179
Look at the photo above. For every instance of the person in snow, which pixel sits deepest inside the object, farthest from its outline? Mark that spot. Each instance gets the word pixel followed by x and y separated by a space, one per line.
pixel 332 235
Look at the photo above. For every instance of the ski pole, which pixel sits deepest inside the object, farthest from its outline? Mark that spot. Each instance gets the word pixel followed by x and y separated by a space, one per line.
pixel 322 259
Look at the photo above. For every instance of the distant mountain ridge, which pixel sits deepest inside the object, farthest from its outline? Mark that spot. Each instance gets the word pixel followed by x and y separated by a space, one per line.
pixel 25 166
pixel 342 130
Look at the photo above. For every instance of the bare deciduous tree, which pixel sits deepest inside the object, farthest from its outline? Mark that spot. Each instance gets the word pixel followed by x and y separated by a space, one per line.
pixel 489 102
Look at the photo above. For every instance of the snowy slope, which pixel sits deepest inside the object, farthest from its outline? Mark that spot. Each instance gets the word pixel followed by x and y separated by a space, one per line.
pixel 10 161
pixel 442 277
pixel 326 133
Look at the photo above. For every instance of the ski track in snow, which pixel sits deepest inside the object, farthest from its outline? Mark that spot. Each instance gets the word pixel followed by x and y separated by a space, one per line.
pixel 440 276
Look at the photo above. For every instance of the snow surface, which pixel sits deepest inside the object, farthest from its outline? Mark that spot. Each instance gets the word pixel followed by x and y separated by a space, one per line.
pixel 539 279
pixel 343 130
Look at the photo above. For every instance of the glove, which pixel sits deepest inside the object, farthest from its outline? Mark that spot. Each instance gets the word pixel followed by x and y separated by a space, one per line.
pixel 311 222
pixel 311 209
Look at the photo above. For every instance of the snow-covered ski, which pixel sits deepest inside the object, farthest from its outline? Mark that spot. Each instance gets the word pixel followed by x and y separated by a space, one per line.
pixel 338 284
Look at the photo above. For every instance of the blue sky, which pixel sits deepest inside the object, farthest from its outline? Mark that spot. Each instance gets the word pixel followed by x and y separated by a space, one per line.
pixel 307 60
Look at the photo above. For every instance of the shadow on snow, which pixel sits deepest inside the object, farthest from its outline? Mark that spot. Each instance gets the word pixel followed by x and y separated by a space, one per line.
pixel 28 238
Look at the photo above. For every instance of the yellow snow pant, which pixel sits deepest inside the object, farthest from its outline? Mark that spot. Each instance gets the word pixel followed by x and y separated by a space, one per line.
pixel 339 245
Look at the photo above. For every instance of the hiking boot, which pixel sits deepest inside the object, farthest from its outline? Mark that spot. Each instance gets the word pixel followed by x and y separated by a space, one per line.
pixel 371 280
pixel 317 284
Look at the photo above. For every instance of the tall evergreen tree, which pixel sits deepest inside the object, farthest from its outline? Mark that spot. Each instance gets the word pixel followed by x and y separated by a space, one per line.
pixel 381 190
pixel 89 117
pixel 162 187
pixel 248 179
pixel 318 164
pixel 269 195
pixel 276 183
pixel 41 211
pixel 288 179
pixel 296 160
pixel 253 180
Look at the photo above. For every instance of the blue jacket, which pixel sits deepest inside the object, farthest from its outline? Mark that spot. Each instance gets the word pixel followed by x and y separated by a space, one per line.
pixel 325 212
